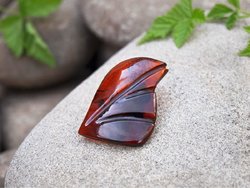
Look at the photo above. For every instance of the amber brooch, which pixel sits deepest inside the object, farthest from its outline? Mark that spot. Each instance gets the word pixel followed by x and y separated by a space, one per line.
pixel 124 107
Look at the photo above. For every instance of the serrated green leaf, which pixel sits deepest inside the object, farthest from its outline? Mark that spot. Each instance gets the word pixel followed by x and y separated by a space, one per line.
pixel 160 28
pixel 12 30
pixel 181 10
pixel 182 32
pixel 175 13
pixel 231 20
pixel 180 21
pixel 235 3
pixel 246 51
pixel 38 8
pixel 247 29
pixel 35 46
pixel 198 16
pixel 164 25
pixel 186 7
pixel 219 11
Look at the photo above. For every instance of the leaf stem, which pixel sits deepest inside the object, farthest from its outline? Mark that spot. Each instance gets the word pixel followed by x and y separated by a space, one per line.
pixel 243 17
pixel 245 14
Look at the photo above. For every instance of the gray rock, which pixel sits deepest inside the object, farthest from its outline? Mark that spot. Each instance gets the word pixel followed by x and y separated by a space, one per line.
pixel 118 22
pixel 4 2
pixel 68 39
pixel 202 134
pixel 2 91
pixel 105 52
pixel 22 111
pixel 209 4
pixel 5 159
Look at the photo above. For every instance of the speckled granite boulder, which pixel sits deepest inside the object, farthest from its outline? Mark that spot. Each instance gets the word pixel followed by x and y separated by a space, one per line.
pixel 202 130
pixel 5 159
pixel 118 21
pixel 69 40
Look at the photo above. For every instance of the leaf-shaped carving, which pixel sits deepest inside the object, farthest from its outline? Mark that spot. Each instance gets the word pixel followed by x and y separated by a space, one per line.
pixel 124 107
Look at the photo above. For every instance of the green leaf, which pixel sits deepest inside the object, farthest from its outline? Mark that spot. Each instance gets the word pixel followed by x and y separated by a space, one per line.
pixel 198 16
pixel 219 11
pixel 181 10
pixel 182 32
pixel 235 3
pixel 180 21
pixel 159 29
pixel 37 8
pixel 35 46
pixel 186 7
pixel 247 29
pixel 163 25
pixel 12 29
pixel 231 20
pixel 246 51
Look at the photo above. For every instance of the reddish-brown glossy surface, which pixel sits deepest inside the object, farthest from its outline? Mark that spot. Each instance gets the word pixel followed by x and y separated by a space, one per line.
pixel 124 107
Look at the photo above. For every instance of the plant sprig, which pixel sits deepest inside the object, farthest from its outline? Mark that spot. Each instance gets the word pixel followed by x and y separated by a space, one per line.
pixel 180 22
pixel 22 37
pixel 229 14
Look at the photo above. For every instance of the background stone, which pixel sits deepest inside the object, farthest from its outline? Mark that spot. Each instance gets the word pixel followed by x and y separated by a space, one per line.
pixel 1 117
pixel 245 4
pixel 4 2
pixel 23 110
pixel 104 53
pixel 70 42
pixel 118 22
pixel 202 131
pixel 5 159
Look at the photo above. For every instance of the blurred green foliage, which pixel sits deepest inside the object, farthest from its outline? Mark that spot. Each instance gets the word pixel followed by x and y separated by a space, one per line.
pixel 22 37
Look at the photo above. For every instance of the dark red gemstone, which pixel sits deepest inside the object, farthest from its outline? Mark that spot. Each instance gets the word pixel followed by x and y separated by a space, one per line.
pixel 124 107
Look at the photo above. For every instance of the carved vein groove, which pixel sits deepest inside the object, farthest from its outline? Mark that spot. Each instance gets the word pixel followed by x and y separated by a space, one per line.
pixel 123 118
pixel 109 101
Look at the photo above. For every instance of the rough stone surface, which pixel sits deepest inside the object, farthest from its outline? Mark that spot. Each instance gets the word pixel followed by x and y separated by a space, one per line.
pixel 118 22
pixel 21 111
pixel 5 159
pixel 202 135
pixel 68 39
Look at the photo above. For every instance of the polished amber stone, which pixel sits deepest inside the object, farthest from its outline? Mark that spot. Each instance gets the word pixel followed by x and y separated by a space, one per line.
pixel 124 107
